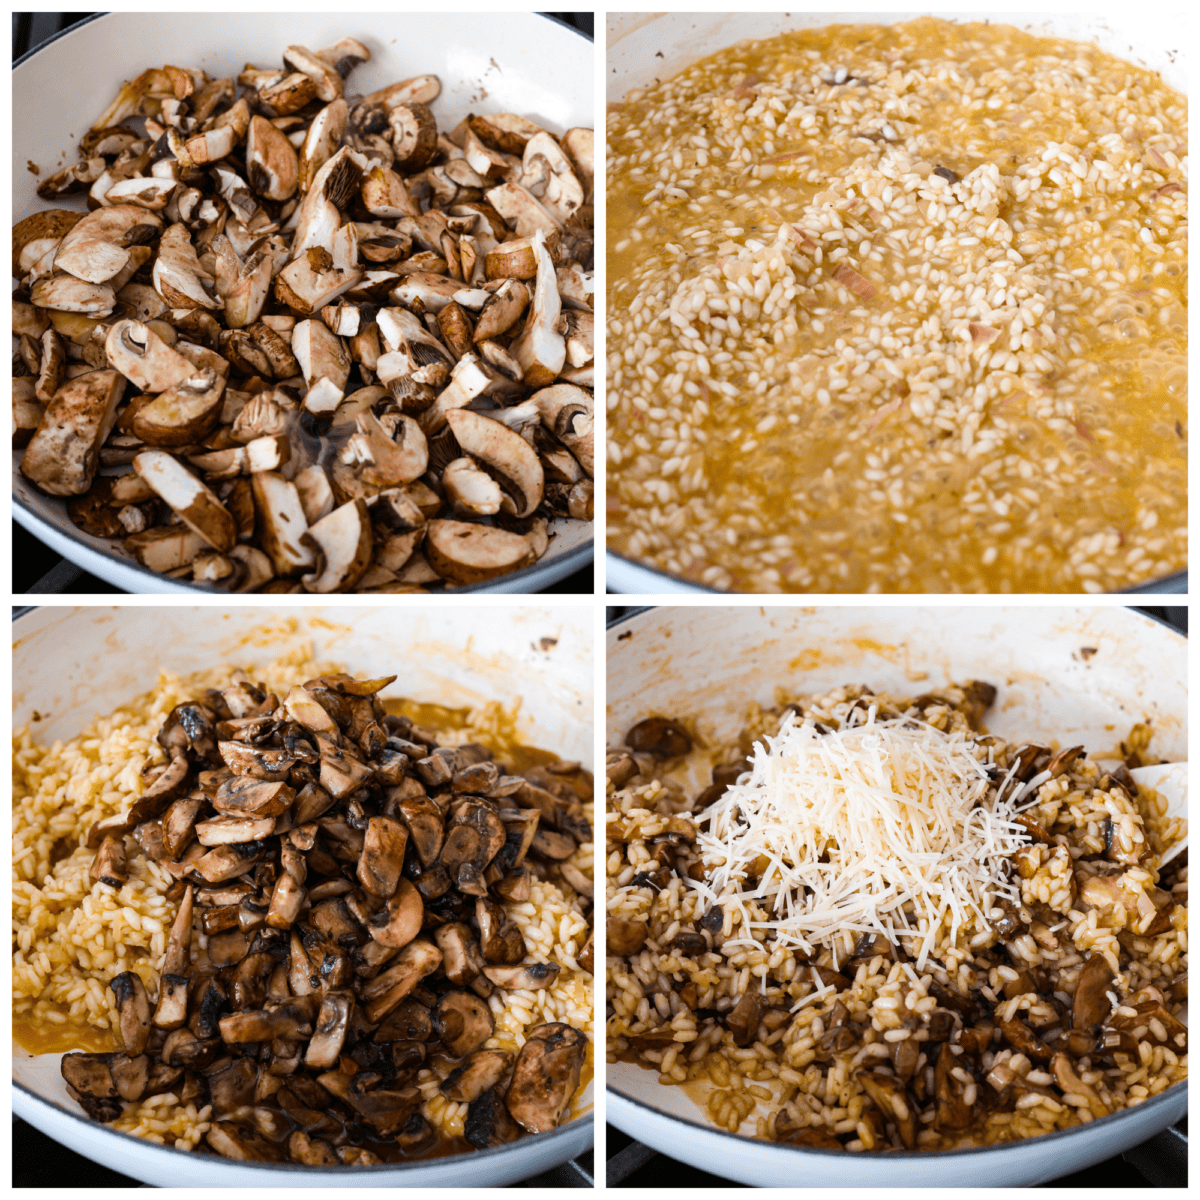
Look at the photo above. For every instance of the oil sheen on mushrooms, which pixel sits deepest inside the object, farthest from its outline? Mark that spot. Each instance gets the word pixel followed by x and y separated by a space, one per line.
pixel 305 340
pixel 344 885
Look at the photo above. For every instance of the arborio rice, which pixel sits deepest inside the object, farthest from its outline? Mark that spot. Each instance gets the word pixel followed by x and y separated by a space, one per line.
pixel 71 936
pixel 1057 1006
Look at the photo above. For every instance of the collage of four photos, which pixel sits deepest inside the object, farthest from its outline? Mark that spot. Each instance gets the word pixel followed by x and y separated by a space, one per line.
pixel 884 714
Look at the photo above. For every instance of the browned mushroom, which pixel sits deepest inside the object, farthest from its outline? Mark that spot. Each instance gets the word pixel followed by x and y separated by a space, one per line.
pixel 133 1011
pixel 660 737
pixel 110 866
pixel 479 1073
pixel 463 1021
pixel 545 1076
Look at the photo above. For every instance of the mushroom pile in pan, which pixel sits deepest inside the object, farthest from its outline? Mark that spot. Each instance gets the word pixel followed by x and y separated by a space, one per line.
pixel 342 882
pixel 339 348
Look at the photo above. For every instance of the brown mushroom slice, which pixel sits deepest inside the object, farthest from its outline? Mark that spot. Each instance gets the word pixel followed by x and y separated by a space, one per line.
pixel 343 541
pixel 90 1076
pixel 532 977
pixel 64 453
pixel 246 796
pixel 489 1122
pixel 178 276
pixel 133 1011
pixel 659 737
pixel 383 993
pixel 890 1098
pixel 183 415
pixel 311 1152
pixel 399 922
pixel 463 1022
pixel 579 145
pixel 280 523
pixel 287 1021
pixel 242 1143
pixel 342 772
pixel 333 1022
pixel 110 866
pixel 425 825
pixel 383 856
pixel 545 1076
pixel 500 939
pixel 228 862
pixel 463 553
pixel 541 350
pixel 481 1072
pixel 1091 1005
pixel 462 962
pixel 568 412
pixel 229 831
pixel 65 294
pixel 414 135
pixel 195 504
pixel 505 455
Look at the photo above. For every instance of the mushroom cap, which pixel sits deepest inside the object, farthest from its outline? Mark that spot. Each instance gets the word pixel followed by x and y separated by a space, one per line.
pixel 344 541
pixel 504 455
pixel 464 553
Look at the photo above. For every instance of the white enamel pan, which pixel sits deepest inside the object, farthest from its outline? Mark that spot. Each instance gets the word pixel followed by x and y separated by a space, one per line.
pixel 645 47
pixel 488 62
pixel 69 664
pixel 1077 675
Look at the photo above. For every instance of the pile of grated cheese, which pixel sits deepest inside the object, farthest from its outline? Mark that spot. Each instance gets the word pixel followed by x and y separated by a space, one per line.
pixel 890 826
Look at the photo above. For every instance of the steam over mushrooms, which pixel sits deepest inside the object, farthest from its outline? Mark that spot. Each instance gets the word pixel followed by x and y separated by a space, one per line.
pixel 326 307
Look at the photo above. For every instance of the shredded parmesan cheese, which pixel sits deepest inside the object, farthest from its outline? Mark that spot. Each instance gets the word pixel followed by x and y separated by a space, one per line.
pixel 890 826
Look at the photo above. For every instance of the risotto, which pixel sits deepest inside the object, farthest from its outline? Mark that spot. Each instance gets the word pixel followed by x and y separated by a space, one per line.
pixel 882 928
pixel 117 913
pixel 900 309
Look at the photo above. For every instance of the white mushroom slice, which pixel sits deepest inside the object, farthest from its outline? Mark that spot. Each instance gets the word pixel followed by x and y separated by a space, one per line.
pixel 220 464
pixel 344 541
pixel 36 234
pixel 316 494
pixel 165 548
pixel 569 413
pixel 357 402
pixel 267 454
pixel 580 376
pixel 321 355
pixel 505 455
pixel 178 276
pixel 27 320
pixel 272 168
pixel 579 145
pixel 423 88
pixel 145 302
pixel 280 523
pixel 541 349
pixel 235 191
pixel 521 210
pixel 288 95
pixel 507 132
pixel 490 163
pixel 581 500
pixel 467 381
pixel 196 505
pixel 331 190
pixel 184 414
pixel 344 55
pixel 64 293
pixel 323 398
pixel 144 358
pixel 242 286
pixel 64 452
pixel 326 80
pixel 414 134
pixel 257 567
pixel 579 330
pixel 512 260
pixel 210 146
pixel 577 288
pixel 51 367
pixel 471 490
pixel 27 412
pixel 344 320
pixel 502 310
pixel 463 553
pixel 384 456
pixel 431 292
pixel 312 281
pixel 323 138
pixel 384 194
pixel 547 174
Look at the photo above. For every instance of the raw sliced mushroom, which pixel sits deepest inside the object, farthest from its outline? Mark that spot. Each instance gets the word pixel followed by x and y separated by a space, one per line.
pixel 312 294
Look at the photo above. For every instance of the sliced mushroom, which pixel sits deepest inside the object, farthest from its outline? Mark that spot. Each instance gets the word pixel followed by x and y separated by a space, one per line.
pixel 64 453
pixel 463 1022
pixel 133 1011
pixel 196 505
pixel 481 1072
pixel 545 1076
